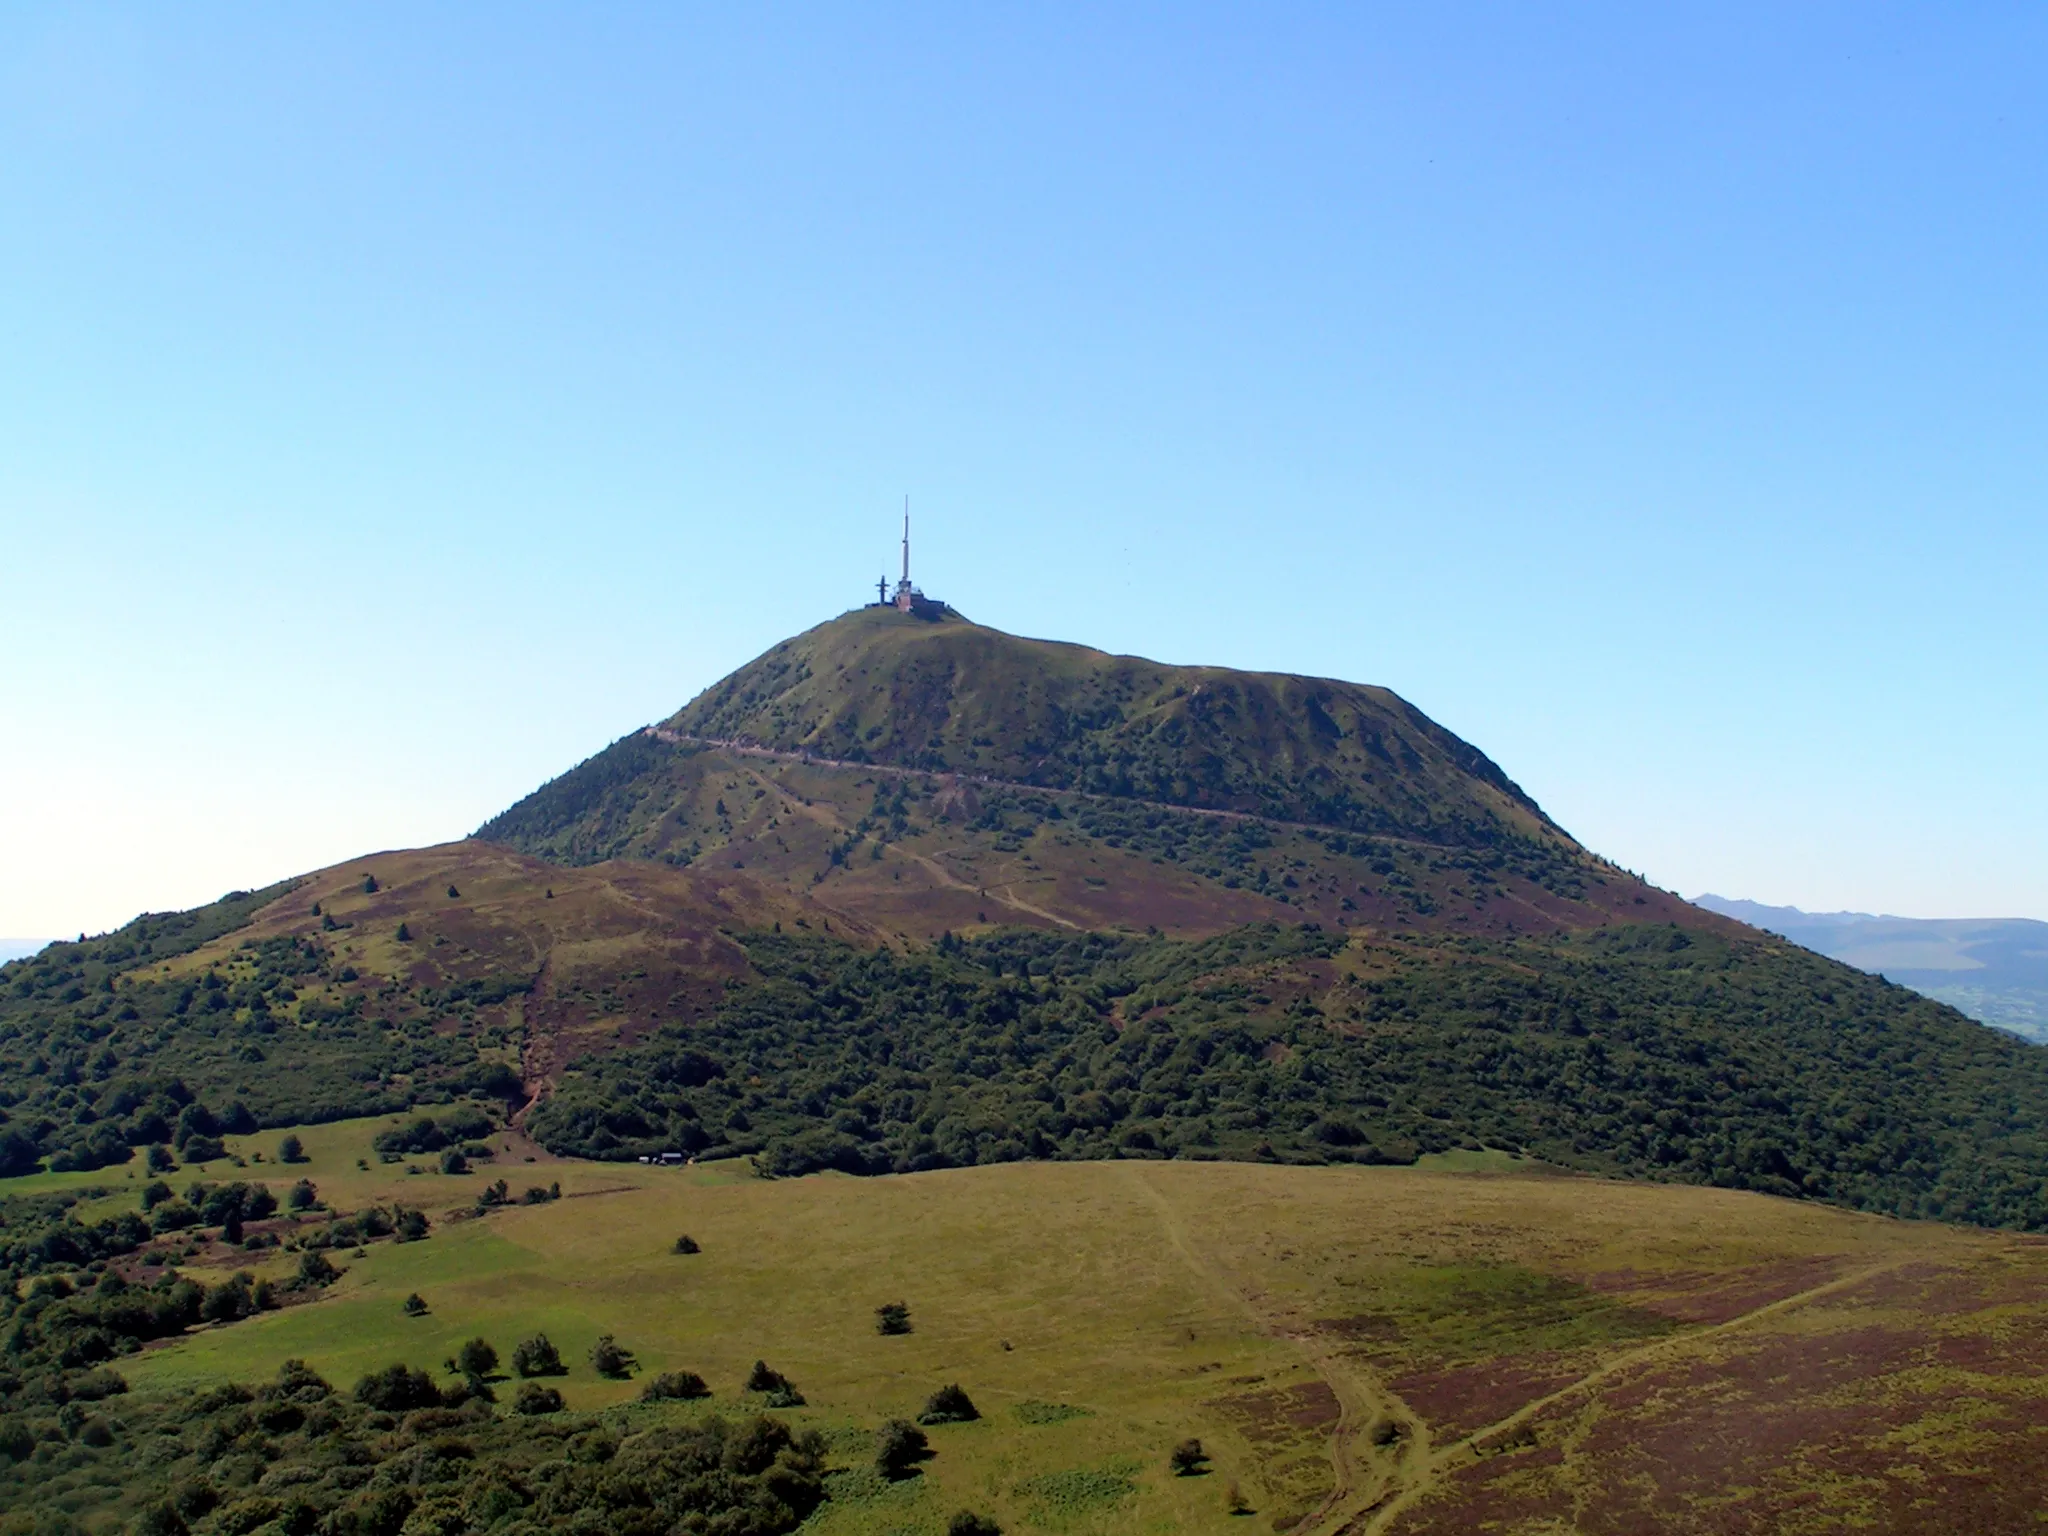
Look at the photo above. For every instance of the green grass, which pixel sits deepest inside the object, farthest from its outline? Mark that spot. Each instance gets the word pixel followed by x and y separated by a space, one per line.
pixel 1097 1313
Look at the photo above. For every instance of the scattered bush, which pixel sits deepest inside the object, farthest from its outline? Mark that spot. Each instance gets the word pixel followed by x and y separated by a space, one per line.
pixel 899 1446
pixel 315 1270
pixel 683 1385
pixel 303 1196
pixel 949 1405
pixel 415 1305
pixel 687 1244
pixel 968 1523
pixel 1188 1459
pixel 533 1398
pixel 398 1389
pixel 782 1392
pixel 608 1358
pixel 892 1317
pixel 452 1161
pixel 476 1358
pixel 291 1150
pixel 537 1356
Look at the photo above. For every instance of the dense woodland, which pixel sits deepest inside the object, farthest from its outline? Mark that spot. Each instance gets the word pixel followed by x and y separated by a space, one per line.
pixel 1645 1051
pixel 101 1057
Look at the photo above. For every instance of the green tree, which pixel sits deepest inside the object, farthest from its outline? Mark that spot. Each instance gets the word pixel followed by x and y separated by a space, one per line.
pixel 892 1317
pixel 609 1358
pixel 899 1446
pixel 949 1405
pixel 291 1150
pixel 533 1398
pixel 675 1384
pixel 476 1358
pixel 537 1356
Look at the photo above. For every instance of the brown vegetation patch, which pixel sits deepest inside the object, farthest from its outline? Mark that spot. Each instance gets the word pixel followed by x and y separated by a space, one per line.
pixel 1281 1415
pixel 1366 1327
pixel 1716 1296
pixel 1468 1397
pixel 1940 1427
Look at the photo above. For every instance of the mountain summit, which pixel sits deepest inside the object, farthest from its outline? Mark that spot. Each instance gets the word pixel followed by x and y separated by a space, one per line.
pixel 876 686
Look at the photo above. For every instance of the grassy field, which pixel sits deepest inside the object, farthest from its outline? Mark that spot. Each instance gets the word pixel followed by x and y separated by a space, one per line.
pixel 1439 1349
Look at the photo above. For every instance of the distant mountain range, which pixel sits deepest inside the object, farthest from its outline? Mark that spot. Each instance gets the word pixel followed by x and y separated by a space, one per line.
pixel 1993 969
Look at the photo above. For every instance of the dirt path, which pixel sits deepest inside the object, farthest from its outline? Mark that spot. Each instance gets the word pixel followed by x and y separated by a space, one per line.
pixel 1423 1472
pixel 1362 1398
pixel 751 749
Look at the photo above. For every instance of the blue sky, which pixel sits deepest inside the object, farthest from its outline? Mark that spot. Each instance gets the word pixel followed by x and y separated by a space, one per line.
pixel 399 403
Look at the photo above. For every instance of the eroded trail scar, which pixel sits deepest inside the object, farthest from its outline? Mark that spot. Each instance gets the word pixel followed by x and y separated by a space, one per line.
pixel 1429 1470
pixel 1362 1399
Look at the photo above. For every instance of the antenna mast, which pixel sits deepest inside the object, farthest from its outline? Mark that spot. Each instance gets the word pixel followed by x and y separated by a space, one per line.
pixel 906 541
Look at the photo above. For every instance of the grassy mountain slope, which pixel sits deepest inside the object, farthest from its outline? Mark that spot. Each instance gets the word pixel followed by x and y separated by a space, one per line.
pixel 874 686
pixel 905 762
pixel 1032 953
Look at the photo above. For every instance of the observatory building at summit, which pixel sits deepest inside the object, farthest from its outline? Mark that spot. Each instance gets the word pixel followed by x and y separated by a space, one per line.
pixel 907 599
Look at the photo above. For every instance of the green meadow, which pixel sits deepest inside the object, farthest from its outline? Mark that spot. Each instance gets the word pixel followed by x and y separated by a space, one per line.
pixel 1352 1345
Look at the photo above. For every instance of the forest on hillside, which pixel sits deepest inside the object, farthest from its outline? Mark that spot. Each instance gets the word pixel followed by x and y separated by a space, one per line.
pixel 1647 1051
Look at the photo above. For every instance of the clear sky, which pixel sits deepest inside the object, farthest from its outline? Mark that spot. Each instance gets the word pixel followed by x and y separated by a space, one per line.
pixel 398 403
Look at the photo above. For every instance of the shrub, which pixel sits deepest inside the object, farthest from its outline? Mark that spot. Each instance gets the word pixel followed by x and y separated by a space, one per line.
pixel 683 1385
pixel 404 934
pixel 303 1196
pixel 172 1216
pixel 476 1358
pixel 782 1392
pixel 369 885
pixel 1188 1459
pixel 949 1405
pixel 315 1270
pixel 892 1317
pixel 968 1523
pixel 412 1226
pixel 608 1358
pixel 154 1194
pixel 452 1161
pixel 687 1244
pixel 230 1301
pixel 537 1356
pixel 454 894
pixel 204 1149
pixel 398 1389
pixel 159 1159
pixel 899 1447
pixel 291 1150
pixel 415 1305
pixel 533 1398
